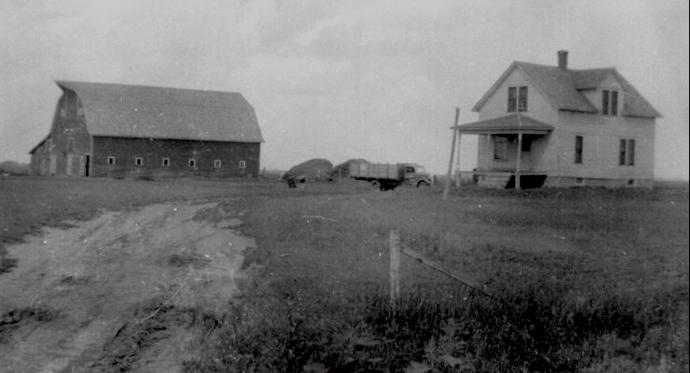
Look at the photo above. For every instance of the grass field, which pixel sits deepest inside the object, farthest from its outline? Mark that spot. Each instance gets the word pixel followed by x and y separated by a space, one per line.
pixel 593 280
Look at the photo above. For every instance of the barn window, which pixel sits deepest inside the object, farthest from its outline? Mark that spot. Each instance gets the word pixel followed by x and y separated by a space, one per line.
pixel 500 148
pixel 517 98
pixel 111 161
pixel 578 149
pixel 192 162
pixel 165 162
pixel 139 161
pixel 242 164
pixel 216 163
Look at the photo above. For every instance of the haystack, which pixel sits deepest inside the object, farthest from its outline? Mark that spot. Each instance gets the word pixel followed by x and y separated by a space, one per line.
pixel 312 170
pixel 343 170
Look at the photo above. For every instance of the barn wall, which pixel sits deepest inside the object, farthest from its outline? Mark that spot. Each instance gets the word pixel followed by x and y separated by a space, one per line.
pixel 65 149
pixel 152 152
pixel 38 158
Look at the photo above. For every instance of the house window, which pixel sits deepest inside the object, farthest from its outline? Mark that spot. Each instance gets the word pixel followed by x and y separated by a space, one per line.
pixel 512 99
pixel 216 163
pixel 192 162
pixel 631 152
pixel 626 154
pixel 578 149
pixel 517 98
pixel 165 162
pixel 138 161
pixel 522 98
pixel 242 165
pixel 500 148
pixel 609 102
pixel 111 161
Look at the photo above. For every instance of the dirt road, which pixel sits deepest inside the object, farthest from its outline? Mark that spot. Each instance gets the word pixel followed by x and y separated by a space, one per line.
pixel 120 291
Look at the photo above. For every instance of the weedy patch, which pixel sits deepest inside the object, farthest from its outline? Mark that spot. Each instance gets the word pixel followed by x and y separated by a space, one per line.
pixel 151 324
pixel 188 259
pixel 14 319
pixel 6 263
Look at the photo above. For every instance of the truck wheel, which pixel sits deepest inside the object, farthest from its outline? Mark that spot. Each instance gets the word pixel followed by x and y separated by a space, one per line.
pixel 422 184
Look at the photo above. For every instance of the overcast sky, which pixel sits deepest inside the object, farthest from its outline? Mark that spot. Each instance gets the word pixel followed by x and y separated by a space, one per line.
pixel 339 79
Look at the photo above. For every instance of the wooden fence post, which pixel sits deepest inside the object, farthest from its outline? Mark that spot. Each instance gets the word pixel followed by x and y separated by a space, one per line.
pixel 394 243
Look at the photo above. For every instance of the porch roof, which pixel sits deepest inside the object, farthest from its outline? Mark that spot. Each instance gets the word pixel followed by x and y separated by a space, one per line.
pixel 509 124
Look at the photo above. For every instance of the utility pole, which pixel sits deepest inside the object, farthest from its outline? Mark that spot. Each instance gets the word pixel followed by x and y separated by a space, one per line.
pixel 446 189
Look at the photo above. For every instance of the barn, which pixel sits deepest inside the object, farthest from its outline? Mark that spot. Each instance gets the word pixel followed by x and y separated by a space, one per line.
pixel 116 130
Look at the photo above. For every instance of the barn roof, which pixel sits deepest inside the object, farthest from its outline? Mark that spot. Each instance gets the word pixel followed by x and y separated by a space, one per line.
pixel 156 112
pixel 563 88
pixel 507 124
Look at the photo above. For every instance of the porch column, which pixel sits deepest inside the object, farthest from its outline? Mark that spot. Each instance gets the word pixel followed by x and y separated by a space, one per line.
pixel 518 161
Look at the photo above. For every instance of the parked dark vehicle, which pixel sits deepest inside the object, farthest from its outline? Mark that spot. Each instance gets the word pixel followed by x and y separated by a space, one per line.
pixel 386 176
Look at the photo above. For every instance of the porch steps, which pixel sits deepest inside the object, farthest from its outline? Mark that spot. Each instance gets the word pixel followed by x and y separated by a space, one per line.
pixel 495 180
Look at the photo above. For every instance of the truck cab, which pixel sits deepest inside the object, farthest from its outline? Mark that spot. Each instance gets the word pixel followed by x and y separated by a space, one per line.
pixel 414 174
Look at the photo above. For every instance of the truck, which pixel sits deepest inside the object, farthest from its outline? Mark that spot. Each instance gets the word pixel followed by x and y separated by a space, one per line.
pixel 386 176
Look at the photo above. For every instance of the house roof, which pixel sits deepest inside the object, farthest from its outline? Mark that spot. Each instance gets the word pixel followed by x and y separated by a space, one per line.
pixel 562 88
pixel 156 112
pixel 509 124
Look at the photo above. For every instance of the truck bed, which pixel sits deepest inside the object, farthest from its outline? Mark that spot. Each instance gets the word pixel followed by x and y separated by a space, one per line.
pixel 380 171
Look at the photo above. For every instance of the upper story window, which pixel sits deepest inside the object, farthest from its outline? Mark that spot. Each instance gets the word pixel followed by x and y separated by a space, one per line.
pixel 165 162
pixel 111 160
pixel 609 102
pixel 70 144
pixel 242 164
pixel 517 99
pixel 139 161
pixel 192 162
pixel 216 163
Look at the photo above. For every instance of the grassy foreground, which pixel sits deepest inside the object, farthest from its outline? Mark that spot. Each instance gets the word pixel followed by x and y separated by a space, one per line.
pixel 594 280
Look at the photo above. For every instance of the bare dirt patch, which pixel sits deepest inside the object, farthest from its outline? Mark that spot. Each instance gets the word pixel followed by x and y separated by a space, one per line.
pixel 130 289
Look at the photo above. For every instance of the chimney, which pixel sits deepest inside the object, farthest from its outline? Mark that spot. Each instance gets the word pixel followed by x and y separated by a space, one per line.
pixel 563 59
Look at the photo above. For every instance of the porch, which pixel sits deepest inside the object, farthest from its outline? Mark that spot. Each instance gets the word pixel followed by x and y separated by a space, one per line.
pixel 509 152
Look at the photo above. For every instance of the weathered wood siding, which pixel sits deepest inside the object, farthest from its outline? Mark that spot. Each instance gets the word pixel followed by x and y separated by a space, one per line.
pixel 152 151
pixel 497 106
pixel 554 154
pixel 64 151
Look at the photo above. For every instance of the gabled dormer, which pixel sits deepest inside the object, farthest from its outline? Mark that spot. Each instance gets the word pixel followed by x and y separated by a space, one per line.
pixel 592 91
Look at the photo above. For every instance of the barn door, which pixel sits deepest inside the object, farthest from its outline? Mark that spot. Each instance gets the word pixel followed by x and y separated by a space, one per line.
pixel 87 160
pixel 53 164
pixel 68 169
